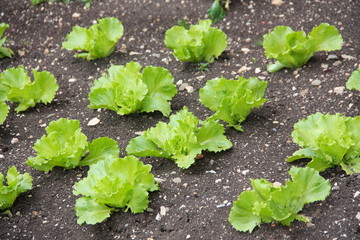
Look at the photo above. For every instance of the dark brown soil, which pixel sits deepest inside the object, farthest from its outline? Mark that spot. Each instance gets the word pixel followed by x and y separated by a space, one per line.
pixel 198 207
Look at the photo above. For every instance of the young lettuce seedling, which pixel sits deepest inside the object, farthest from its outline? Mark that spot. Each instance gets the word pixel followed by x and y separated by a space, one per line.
pixel 66 146
pixel 293 49
pixel 125 90
pixel 201 43
pixel 98 41
pixel 111 184
pixel 267 202
pixel 180 140
pixel 16 184
pixel 329 141
pixel 4 51
pixel 233 100
pixel 16 86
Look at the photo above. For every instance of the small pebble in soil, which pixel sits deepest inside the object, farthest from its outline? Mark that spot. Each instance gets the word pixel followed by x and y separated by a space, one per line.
pixel 14 140
pixel 245 171
pixel 337 63
pixel 277 2
pixel 316 82
pixel 93 122
pixel 176 180
pixel 332 57
pixel 339 90
pixel 347 57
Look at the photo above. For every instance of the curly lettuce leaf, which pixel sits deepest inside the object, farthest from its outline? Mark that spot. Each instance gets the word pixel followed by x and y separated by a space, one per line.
pixel 266 203
pixel 294 49
pixel 233 100
pixel 329 141
pixel 180 140
pixel 126 90
pixel 16 86
pixel 4 110
pixel 63 146
pixel 4 51
pixel 16 183
pixel 354 81
pixel 200 43
pixel 113 183
pixel 161 89
pixel 98 41
pixel 99 149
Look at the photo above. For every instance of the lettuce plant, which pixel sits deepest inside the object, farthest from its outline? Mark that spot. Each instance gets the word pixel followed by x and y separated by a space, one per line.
pixel 293 49
pixel 16 86
pixel 4 51
pixel 233 100
pixel 16 183
pixel 125 90
pixel 4 110
pixel 111 184
pixel 354 80
pixel 198 44
pixel 66 146
pixel 180 140
pixel 329 141
pixel 216 12
pixel 267 202
pixel 99 41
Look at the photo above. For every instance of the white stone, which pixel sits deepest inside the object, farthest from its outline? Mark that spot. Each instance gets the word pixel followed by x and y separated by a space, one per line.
pixel 183 86
pixel 189 89
pixel 332 57
pixel 257 70
pixel 14 140
pixel 339 90
pixel 316 82
pixel 245 171
pixel 93 122
pixel 72 80
pixel 347 57
pixel 176 180
pixel 76 15
pixel 277 2
pixel 245 50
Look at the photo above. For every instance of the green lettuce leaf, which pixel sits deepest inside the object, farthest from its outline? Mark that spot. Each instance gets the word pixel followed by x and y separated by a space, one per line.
pixel 200 43
pixel 126 90
pixel 180 140
pixel 354 81
pixel 294 49
pixel 99 149
pixel 113 183
pixel 233 100
pixel 266 203
pixel 16 183
pixel 98 41
pixel 4 110
pixel 329 141
pixel 16 86
pixel 4 51
pixel 216 11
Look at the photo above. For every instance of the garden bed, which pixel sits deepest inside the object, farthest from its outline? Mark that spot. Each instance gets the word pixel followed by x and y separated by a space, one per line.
pixel 195 203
